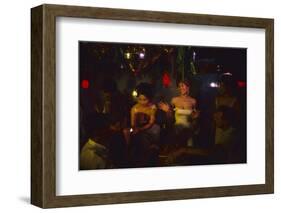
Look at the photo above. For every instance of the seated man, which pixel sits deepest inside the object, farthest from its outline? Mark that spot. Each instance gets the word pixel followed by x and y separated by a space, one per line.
pixel 106 146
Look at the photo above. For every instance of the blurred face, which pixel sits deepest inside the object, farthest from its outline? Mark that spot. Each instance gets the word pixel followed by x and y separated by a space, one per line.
pixel 143 100
pixel 183 88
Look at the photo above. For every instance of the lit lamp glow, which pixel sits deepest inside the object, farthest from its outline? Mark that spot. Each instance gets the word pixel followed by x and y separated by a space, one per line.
pixel 194 55
pixel 127 55
pixel 214 84
pixel 134 93
pixel 227 73
pixel 141 55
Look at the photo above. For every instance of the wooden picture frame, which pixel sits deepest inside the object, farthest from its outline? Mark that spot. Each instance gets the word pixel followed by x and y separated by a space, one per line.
pixel 43 105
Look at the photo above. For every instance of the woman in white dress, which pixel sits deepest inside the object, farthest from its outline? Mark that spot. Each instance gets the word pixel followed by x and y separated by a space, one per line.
pixel 183 107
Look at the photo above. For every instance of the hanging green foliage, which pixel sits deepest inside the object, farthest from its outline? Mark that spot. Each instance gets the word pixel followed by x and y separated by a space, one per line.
pixel 180 62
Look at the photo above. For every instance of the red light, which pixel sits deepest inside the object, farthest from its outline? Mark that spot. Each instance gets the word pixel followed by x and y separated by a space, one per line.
pixel 85 84
pixel 166 80
pixel 241 84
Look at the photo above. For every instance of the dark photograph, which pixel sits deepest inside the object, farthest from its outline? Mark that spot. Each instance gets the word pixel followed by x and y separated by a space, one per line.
pixel 148 105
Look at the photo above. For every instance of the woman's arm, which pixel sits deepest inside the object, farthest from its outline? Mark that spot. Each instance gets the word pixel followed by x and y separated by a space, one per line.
pixel 195 113
pixel 167 108
pixel 133 117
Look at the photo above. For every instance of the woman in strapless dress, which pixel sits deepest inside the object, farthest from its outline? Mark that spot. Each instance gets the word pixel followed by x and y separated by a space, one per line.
pixel 183 108
pixel 144 131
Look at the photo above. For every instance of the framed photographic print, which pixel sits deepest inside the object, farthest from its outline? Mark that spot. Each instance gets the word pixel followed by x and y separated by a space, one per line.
pixel 135 106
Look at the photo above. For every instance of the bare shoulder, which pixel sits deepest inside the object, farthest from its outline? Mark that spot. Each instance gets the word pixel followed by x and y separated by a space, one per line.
pixel 174 100
pixel 134 108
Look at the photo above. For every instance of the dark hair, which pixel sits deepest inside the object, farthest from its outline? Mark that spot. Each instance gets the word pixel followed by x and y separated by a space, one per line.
pixel 145 89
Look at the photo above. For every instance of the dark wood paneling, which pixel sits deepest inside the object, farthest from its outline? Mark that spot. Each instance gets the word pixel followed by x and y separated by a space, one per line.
pixel 36 106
